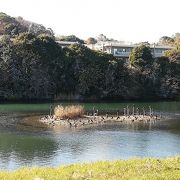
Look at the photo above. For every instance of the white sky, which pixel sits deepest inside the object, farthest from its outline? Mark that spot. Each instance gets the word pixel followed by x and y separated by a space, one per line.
pixel 129 20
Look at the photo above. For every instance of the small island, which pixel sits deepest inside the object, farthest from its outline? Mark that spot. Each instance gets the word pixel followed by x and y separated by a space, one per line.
pixel 74 116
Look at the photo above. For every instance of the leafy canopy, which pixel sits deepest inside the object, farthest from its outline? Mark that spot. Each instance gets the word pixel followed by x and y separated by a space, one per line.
pixel 140 56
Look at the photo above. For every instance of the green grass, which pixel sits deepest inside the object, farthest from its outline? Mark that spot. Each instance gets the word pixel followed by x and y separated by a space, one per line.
pixel 135 169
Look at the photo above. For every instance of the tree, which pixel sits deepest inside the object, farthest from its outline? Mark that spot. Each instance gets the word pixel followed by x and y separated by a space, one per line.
pixel 71 38
pixel 146 43
pixel 9 25
pixel 31 66
pixel 91 40
pixel 174 54
pixel 140 56
pixel 166 40
pixel 177 38
pixel 34 66
pixel 102 37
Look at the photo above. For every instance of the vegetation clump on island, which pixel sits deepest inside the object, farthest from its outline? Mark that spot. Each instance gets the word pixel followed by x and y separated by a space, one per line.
pixel 122 169
pixel 73 111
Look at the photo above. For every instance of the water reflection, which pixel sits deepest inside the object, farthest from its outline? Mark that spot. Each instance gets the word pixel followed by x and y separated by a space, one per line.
pixel 103 142
pixel 170 107
pixel 24 148
pixel 108 142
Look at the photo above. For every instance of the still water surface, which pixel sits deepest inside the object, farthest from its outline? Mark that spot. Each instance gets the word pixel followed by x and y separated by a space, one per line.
pixel 38 147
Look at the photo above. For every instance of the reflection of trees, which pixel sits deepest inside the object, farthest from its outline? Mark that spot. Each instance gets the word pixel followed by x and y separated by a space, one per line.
pixel 25 147
pixel 73 143
pixel 29 149
pixel 135 139
pixel 175 125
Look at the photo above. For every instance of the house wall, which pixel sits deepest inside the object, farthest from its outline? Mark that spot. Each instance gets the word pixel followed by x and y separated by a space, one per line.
pixel 123 51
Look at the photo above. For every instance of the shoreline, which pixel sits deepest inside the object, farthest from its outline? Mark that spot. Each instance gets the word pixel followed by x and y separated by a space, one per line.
pixel 52 121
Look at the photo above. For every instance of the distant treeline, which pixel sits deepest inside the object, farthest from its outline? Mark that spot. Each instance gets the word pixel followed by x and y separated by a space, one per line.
pixel 34 67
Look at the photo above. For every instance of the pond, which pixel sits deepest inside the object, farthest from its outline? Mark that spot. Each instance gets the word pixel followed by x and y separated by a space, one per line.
pixel 39 147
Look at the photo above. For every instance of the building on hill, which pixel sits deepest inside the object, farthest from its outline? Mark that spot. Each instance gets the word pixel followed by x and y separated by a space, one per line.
pixel 123 50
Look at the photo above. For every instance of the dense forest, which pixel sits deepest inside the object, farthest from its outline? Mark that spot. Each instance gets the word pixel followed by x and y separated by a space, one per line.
pixel 33 66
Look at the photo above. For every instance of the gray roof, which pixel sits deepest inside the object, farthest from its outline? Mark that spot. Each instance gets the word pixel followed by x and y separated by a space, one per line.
pixel 66 42
pixel 132 46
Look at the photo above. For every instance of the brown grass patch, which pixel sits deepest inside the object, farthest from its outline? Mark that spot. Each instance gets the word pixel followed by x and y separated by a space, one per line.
pixel 73 111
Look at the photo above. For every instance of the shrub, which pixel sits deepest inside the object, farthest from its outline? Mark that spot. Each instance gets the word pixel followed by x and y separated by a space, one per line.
pixel 140 56
pixel 73 111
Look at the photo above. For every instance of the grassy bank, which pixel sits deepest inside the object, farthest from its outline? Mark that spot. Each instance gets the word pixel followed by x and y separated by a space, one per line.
pixel 123 169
